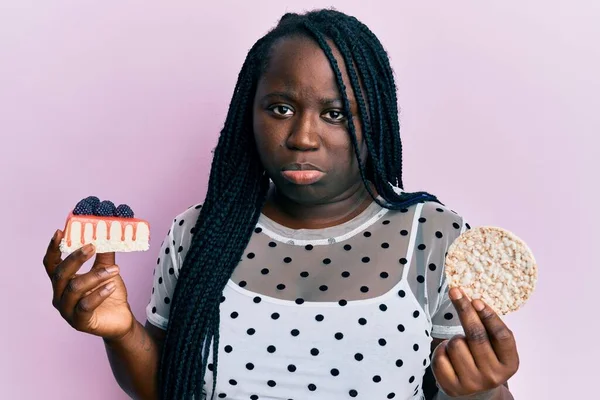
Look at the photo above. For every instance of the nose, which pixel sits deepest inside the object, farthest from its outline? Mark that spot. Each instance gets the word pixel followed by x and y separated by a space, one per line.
pixel 304 136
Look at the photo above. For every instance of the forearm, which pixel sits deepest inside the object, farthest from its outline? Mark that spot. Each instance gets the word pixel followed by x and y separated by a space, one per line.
pixel 500 393
pixel 134 360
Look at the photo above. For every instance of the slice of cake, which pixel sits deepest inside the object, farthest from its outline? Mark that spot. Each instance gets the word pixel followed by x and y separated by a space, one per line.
pixel 109 228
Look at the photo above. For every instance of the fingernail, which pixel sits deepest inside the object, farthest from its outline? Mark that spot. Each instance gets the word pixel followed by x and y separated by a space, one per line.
pixel 55 235
pixel 455 294
pixel 87 249
pixel 111 270
pixel 478 305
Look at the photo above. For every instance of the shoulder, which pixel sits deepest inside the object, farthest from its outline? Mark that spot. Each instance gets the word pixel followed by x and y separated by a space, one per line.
pixel 439 215
pixel 439 226
pixel 189 216
pixel 183 228
pixel 443 217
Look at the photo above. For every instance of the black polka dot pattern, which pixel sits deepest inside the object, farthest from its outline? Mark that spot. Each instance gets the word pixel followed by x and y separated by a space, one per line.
pixel 373 285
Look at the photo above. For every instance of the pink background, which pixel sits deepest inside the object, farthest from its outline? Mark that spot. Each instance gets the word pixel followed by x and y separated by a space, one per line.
pixel 500 117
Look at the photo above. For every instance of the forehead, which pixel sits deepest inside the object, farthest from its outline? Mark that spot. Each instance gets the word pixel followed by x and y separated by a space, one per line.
pixel 298 63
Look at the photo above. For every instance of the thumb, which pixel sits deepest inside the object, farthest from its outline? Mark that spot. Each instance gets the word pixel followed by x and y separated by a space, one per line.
pixel 104 259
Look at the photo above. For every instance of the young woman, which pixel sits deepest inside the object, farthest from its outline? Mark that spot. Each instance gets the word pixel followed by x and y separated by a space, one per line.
pixel 308 272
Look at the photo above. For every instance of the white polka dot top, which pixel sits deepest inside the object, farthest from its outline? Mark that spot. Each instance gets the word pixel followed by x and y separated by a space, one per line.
pixel 336 313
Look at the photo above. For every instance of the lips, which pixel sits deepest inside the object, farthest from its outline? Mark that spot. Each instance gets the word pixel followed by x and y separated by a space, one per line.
pixel 302 167
pixel 302 173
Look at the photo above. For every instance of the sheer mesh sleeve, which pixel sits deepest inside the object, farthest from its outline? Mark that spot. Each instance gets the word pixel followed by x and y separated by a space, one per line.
pixel 170 259
pixel 441 227
pixel 157 310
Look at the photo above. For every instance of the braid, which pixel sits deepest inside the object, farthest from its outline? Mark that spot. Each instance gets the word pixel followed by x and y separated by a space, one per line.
pixel 238 186
pixel 338 75
pixel 374 97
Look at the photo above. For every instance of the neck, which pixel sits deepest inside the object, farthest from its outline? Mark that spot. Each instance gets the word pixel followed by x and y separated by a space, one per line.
pixel 294 215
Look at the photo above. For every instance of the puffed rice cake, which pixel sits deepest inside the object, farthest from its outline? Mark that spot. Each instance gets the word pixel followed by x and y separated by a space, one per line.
pixel 494 265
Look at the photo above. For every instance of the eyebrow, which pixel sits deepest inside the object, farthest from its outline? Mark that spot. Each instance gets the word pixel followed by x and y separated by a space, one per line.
pixel 323 101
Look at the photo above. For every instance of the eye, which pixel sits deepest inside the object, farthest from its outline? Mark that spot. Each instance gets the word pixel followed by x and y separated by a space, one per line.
pixel 281 110
pixel 336 115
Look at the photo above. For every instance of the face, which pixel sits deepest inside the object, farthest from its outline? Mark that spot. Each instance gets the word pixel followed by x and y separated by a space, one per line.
pixel 299 125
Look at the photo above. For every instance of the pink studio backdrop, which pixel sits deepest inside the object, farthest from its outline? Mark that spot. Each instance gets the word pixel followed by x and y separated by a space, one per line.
pixel 125 101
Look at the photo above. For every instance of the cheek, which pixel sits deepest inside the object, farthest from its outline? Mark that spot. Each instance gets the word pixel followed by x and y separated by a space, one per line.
pixel 340 154
pixel 260 128
pixel 362 146
pixel 268 139
pixel 345 144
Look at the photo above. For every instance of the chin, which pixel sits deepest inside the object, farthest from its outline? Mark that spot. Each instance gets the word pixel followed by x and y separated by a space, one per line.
pixel 305 194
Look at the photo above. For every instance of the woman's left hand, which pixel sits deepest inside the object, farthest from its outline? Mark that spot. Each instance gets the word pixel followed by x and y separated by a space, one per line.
pixel 482 359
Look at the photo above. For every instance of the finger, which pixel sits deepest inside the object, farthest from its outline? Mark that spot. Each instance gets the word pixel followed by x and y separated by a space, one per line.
pixel 103 259
pixel 79 287
pixel 66 269
pixel 86 305
pixel 500 337
pixel 475 332
pixel 460 356
pixel 52 258
pixel 443 370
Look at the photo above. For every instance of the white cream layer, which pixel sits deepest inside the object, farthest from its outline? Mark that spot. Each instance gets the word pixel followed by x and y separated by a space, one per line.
pixel 102 243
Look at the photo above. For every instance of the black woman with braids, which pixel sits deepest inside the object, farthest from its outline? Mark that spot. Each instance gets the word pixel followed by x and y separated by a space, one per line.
pixel 308 272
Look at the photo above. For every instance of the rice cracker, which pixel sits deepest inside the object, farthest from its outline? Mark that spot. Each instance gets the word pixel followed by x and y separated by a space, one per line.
pixel 494 265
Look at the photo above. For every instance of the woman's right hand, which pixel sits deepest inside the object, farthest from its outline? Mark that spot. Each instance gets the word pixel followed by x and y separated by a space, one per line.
pixel 94 302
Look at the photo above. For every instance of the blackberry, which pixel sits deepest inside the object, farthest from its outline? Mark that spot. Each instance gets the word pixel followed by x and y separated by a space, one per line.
pixel 106 208
pixel 93 201
pixel 124 211
pixel 83 208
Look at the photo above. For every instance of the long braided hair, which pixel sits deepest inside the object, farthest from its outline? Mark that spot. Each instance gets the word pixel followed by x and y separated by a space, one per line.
pixel 238 185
